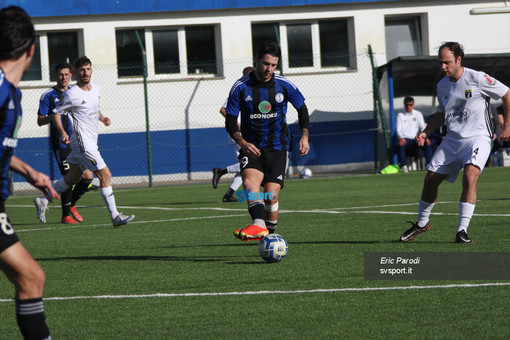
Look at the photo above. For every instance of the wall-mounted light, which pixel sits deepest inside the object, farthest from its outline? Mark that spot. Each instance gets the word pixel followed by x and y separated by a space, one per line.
pixel 491 10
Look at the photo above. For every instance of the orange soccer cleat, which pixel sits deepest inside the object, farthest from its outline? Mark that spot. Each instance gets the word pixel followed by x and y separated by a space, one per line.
pixel 251 233
pixel 76 214
pixel 68 220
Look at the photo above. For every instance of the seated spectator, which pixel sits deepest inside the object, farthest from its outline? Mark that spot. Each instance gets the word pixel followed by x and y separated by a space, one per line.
pixel 409 124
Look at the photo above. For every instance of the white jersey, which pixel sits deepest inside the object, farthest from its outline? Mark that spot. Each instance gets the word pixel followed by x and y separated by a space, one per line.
pixel 83 109
pixel 409 124
pixel 466 103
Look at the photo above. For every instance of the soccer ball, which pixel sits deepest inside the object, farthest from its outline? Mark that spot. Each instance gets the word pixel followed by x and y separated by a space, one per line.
pixel 273 248
pixel 306 173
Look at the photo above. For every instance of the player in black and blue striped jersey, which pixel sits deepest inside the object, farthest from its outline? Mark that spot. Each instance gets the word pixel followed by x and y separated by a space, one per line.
pixel 17 36
pixel 261 99
pixel 49 100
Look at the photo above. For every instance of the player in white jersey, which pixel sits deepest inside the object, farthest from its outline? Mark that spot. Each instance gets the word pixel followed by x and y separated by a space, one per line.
pixel 233 168
pixel 464 105
pixel 236 167
pixel 83 107
pixel 81 102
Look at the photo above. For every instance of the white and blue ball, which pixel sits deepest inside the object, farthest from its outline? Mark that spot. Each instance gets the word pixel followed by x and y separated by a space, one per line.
pixel 306 173
pixel 273 248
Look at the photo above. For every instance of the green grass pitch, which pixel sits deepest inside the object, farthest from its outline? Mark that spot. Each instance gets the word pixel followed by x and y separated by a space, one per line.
pixel 179 273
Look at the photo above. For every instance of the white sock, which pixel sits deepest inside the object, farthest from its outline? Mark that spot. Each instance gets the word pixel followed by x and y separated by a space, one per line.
pixel 259 222
pixel 233 168
pixel 60 185
pixel 424 210
pixel 109 200
pixel 465 213
pixel 236 182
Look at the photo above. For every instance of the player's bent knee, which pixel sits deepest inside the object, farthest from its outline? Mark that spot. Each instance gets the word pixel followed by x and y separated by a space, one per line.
pixel 272 207
pixel 31 282
pixel 104 175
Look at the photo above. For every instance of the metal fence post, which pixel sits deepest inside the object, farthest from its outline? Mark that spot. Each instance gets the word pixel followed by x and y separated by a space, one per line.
pixel 147 125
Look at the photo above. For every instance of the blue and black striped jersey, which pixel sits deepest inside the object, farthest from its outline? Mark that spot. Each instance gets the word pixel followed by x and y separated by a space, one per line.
pixel 263 110
pixel 49 100
pixel 10 121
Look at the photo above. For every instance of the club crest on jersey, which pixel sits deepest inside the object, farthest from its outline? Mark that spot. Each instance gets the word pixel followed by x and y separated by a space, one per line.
pixel 265 107
pixel 279 97
pixel 468 94
pixel 491 81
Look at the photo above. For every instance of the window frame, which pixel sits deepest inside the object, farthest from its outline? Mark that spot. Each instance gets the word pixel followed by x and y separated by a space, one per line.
pixel 45 56
pixel 183 62
pixel 418 20
pixel 316 48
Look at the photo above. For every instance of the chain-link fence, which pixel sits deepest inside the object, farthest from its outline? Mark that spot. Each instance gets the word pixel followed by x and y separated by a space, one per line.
pixel 173 132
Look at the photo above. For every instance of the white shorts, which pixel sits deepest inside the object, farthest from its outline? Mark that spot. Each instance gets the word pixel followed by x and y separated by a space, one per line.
pixel 91 160
pixel 453 155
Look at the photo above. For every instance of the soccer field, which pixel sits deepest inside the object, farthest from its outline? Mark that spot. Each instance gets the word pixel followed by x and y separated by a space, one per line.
pixel 177 272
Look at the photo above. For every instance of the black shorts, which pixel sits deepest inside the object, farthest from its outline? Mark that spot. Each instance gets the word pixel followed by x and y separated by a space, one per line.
pixel 272 163
pixel 7 235
pixel 61 156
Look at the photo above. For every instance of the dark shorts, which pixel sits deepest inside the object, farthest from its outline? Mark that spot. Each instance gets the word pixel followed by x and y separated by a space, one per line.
pixel 7 235
pixel 61 156
pixel 273 163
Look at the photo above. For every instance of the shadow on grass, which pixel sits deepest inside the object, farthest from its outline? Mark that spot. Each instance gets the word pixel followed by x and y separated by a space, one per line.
pixel 255 244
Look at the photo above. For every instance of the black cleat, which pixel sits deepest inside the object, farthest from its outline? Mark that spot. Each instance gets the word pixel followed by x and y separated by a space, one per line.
pixel 462 237
pixel 411 233
pixel 227 198
pixel 216 175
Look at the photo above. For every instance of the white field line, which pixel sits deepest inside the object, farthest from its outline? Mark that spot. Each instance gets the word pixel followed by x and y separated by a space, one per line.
pixel 347 210
pixel 268 292
pixel 231 209
pixel 75 226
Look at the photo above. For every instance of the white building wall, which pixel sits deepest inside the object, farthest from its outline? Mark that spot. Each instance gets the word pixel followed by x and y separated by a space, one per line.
pixel 194 103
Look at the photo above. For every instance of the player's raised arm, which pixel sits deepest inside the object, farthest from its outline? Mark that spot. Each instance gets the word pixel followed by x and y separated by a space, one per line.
pixel 34 177
pixel 435 123
pixel 58 125
pixel 105 120
pixel 505 130
pixel 304 123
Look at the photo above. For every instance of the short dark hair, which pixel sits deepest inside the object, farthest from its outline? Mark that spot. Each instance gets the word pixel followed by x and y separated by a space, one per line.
pixel 17 33
pixel 62 66
pixel 408 100
pixel 456 48
pixel 82 61
pixel 271 48
pixel 248 69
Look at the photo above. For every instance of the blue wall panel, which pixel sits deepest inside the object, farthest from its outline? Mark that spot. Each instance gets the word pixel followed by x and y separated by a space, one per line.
pixel 37 8
pixel 181 151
